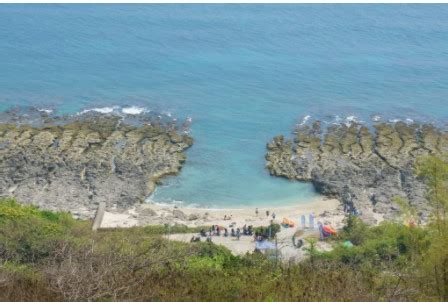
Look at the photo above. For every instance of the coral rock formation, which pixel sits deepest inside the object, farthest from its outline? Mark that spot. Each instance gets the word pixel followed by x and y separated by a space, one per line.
pixel 364 168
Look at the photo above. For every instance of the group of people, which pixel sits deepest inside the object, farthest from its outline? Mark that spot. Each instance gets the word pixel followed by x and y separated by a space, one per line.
pixel 267 213
pixel 216 230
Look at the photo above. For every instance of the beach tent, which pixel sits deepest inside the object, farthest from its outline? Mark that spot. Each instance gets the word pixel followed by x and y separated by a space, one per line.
pixel 288 222
pixel 265 245
pixel 329 230
pixel 347 244
pixel 326 231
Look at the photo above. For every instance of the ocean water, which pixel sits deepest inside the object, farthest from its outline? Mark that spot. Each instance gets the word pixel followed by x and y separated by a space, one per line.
pixel 243 73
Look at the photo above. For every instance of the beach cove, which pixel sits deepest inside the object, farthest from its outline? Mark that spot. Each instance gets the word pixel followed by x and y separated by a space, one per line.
pixel 243 74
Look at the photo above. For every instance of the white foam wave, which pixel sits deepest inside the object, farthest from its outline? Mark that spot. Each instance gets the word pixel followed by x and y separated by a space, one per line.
pixel 349 120
pixel 337 120
pixel 176 203
pixel 130 110
pixel 305 119
pixel 103 110
pixel 134 110
pixel 376 118
pixel 48 111
pixel 194 206
pixel 169 203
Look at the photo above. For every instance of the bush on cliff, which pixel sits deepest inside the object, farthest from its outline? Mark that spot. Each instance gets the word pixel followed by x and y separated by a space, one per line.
pixel 75 264
pixel 47 256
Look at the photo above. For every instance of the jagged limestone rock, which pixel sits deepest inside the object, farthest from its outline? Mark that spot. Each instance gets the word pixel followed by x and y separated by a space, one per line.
pixel 364 168
pixel 84 162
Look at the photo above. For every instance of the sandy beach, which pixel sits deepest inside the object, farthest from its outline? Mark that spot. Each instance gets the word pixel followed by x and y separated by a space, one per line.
pixel 325 210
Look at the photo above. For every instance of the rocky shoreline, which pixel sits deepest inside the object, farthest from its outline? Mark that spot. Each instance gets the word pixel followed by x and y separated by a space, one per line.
pixel 364 168
pixel 74 163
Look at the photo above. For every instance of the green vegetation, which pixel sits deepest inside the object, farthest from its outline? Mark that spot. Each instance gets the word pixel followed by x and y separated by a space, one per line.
pixel 47 256
pixel 268 231
pixel 165 229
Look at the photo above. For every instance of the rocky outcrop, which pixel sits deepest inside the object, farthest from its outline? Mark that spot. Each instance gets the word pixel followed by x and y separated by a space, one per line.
pixel 76 164
pixel 363 168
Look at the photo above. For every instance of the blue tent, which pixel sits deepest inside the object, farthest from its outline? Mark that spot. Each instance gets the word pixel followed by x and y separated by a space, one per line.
pixel 265 245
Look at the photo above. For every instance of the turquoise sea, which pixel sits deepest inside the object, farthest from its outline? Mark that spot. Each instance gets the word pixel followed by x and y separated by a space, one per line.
pixel 243 73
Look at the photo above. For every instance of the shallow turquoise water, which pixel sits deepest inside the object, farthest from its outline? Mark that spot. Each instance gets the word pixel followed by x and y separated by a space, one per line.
pixel 244 73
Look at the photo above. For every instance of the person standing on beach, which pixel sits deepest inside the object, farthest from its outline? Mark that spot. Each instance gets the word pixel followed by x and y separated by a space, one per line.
pixel 256 211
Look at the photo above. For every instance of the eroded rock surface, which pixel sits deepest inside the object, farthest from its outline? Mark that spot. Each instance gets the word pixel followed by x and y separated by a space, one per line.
pixel 82 162
pixel 364 168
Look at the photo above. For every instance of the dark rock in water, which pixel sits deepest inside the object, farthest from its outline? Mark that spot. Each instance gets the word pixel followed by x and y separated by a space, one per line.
pixel 364 169
pixel 77 164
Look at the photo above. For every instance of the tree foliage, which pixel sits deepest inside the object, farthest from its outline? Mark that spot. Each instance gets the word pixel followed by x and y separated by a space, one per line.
pixel 434 171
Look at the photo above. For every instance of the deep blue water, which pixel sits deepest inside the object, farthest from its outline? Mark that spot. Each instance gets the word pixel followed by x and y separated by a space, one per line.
pixel 244 73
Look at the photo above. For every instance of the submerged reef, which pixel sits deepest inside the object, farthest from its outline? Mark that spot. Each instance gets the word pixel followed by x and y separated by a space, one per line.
pixel 365 168
pixel 73 163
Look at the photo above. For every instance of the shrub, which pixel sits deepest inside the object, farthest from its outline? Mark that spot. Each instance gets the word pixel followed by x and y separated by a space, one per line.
pixel 268 231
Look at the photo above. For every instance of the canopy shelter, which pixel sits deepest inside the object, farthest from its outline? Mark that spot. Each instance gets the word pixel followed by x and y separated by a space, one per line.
pixel 265 245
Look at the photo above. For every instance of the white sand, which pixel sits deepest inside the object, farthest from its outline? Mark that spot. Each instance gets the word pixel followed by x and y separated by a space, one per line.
pixel 326 211
pixel 118 220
